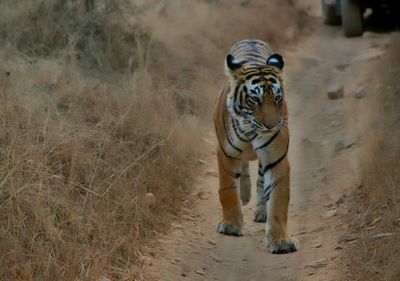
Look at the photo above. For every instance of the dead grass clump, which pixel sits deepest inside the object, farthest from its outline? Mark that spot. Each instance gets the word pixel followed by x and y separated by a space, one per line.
pixel 75 168
pixel 376 217
pixel 98 37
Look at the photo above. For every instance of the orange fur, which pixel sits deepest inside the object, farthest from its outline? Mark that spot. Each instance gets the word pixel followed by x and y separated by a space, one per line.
pixel 234 151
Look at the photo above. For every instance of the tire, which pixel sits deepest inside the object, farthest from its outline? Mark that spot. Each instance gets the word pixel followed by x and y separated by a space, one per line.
pixel 351 17
pixel 329 14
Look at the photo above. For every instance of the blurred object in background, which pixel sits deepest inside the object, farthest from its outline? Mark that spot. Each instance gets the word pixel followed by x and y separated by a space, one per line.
pixel 358 15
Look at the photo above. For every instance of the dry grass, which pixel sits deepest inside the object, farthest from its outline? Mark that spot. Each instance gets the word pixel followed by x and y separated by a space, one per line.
pixel 377 205
pixel 75 167
pixel 97 109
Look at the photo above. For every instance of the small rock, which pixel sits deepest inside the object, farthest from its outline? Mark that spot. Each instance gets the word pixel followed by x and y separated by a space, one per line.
pixel 329 214
pixel 334 123
pixel 318 263
pixel 202 195
pixel 150 199
pixel 210 241
pixel 335 91
pixel 217 259
pixel 346 238
pixel 104 279
pixel 342 67
pixel 367 34
pixel 345 142
pixel 340 200
pixel 338 248
pixel 359 93
pixel 319 228
pixel 317 245
pixel 200 272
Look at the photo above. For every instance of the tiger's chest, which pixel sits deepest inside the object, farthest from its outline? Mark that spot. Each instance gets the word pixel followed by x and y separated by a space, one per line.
pixel 244 142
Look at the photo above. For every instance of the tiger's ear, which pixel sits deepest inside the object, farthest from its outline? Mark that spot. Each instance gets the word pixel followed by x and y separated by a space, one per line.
pixel 275 60
pixel 232 67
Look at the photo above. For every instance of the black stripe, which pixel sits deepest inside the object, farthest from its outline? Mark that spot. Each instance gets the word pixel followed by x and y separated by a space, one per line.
pixel 228 187
pixel 251 71
pixel 269 141
pixel 255 135
pixel 247 134
pixel 237 129
pixel 255 81
pixel 223 150
pixel 228 137
pixel 236 92
pixel 258 73
pixel 256 57
pixel 273 164
pixel 269 189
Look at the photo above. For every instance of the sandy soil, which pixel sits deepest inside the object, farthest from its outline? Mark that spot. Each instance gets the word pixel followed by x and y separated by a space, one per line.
pixel 322 174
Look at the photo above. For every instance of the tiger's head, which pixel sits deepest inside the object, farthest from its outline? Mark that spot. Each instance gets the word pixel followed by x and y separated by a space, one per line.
pixel 254 87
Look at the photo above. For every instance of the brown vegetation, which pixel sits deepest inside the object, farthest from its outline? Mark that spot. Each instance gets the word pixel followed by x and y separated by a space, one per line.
pixel 100 105
pixel 375 217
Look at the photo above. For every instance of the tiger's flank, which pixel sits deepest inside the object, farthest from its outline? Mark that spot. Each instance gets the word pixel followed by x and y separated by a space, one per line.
pixel 251 122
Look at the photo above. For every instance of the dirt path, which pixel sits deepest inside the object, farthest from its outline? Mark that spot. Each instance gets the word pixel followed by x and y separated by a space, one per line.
pixel 322 174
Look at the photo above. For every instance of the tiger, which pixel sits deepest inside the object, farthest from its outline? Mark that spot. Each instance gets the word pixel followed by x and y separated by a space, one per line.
pixel 251 122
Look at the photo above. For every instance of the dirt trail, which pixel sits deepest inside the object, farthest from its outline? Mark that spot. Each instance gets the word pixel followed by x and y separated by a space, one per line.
pixel 321 176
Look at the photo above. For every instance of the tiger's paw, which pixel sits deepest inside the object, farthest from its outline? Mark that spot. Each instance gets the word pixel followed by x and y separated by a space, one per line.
pixel 283 246
pixel 225 227
pixel 260 215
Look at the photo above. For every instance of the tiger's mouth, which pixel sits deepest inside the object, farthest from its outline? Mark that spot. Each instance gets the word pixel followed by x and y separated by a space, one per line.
pixel 264 128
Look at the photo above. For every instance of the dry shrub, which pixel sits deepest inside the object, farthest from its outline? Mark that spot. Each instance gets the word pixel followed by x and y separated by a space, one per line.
pixel 75 167
pixel 99 105
pixel 377 206
pixel 97 38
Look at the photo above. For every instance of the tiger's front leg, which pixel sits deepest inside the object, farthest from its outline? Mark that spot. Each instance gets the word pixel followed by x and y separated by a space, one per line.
pixel 260 214
pixel 277 193
pixel 232 216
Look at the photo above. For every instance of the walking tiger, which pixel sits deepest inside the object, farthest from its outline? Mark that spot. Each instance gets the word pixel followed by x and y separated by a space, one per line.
pixel 251 122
